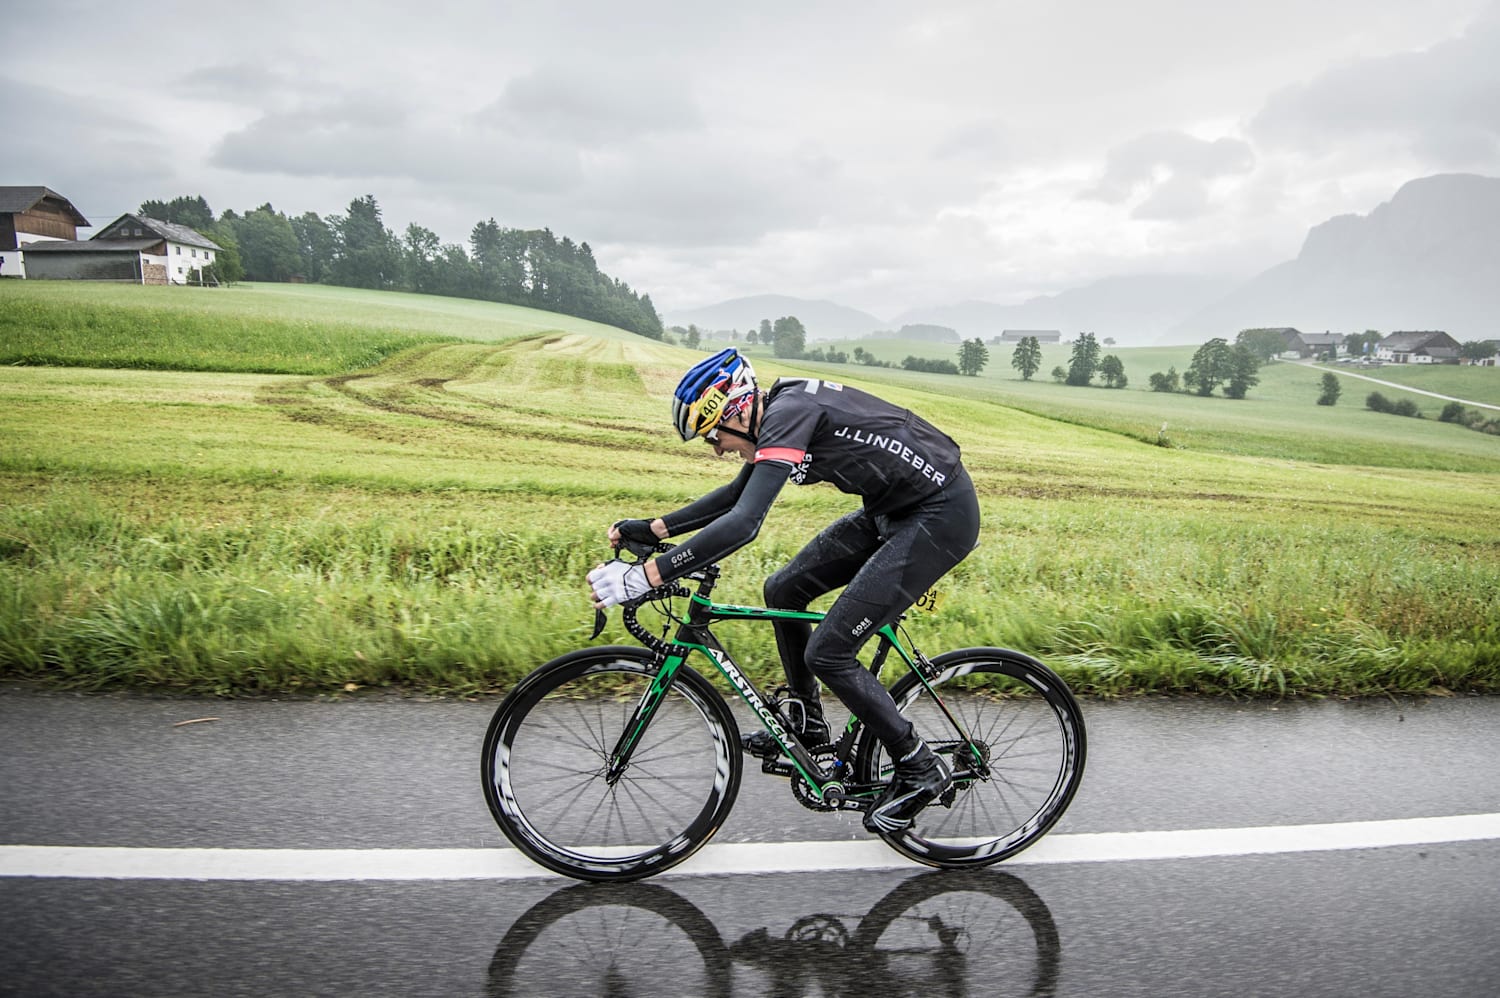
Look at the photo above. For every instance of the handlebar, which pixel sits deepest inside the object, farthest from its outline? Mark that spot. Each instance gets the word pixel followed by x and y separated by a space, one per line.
pixel 705 577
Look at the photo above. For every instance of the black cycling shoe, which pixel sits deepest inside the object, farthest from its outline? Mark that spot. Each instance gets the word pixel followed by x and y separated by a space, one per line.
pixel 805 719
pixel 920 778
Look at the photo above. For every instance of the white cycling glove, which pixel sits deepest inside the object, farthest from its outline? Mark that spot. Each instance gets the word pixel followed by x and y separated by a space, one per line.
pixel 617 582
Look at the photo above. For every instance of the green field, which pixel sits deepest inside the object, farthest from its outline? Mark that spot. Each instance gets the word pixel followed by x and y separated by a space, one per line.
pixel 425 520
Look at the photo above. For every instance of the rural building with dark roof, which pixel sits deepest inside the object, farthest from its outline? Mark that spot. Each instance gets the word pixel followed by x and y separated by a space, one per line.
pixel 29 215
pixel 1042 335
pixel 133 248
pixel 1432 346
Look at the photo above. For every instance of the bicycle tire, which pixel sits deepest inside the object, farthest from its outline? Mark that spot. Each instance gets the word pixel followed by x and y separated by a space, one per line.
pixel 1030 734
pixel 611 939
pixel 547 749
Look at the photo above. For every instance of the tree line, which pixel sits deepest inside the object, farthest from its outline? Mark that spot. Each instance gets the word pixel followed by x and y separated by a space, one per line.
pixel 531 267
pixel 787 338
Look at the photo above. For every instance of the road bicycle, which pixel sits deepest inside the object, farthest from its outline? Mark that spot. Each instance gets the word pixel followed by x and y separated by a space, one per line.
pixel 619 762
pixel 934 935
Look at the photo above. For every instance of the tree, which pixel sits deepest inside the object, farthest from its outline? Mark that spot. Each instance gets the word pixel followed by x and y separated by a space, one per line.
pixel 972 356
pixel 1477 350
pixel 693 337
pixel 1169 382
pixel 930 365
pixel 789 337
pixel 1112 370
pixel 1059 374
pixel 226 268
pixel 752 337
pixel 421 252
pixel 190 210
pixel 367 254
pixel 1263 343
pixel 1210 368
pixel 1085 360
pixel 1361 344
pixel 1242 377
pixel 268 246
pixel 1027 358
pixel 1331 389
pixel 316 243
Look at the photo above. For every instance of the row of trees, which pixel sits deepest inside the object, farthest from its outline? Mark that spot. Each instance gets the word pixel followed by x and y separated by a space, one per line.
pixel 532 267
pixel 1084 364
pixel 787 338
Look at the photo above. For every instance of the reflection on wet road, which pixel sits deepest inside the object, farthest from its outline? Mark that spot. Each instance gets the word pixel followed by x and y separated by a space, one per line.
pixel 933 934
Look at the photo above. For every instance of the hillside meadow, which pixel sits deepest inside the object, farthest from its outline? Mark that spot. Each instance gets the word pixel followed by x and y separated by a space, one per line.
pixel 424 521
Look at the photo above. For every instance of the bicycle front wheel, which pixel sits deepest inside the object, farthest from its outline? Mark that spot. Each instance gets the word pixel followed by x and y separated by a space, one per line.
pixel 546 766
pixel 1015 774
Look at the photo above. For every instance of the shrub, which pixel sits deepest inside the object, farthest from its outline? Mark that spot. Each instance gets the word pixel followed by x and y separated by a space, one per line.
pixel 930 366
pixel 1331 390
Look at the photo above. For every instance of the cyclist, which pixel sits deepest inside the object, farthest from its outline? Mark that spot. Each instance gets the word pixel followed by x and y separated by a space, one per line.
pixel 919 518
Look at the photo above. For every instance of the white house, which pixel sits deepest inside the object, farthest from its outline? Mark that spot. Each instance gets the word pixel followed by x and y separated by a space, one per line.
pixel 131 248
pixel 1423 347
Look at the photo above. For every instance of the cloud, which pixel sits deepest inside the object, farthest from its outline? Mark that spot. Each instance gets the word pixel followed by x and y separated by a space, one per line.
pixel 1172 170
pixel 375 136
pixel 1442 103
pixel 59 141
pixel 564 104
pixel 247 84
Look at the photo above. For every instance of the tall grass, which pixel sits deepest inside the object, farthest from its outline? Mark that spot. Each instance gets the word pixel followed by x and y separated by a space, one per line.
pixel 37 330
pixel 427 523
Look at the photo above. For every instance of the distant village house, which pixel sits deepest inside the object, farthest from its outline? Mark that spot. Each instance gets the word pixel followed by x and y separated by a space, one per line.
pixel 39 240
pixel 1426 347
pixel 1017 335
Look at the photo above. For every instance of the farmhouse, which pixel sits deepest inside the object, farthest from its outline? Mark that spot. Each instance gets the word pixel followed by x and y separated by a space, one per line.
pixel 1042 335
pixel 131 248
pixel 32 215
pixel 1426 347
pixel 1318 344
pixel 1296 343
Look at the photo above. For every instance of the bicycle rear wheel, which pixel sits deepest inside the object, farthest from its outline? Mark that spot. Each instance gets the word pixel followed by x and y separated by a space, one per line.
pixel 546 760
pixel 1015 777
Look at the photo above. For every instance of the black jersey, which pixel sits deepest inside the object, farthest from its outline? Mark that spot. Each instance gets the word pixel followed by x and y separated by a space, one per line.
pixel 861 444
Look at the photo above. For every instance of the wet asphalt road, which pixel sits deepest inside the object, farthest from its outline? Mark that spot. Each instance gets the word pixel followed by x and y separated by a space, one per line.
pixel 383 774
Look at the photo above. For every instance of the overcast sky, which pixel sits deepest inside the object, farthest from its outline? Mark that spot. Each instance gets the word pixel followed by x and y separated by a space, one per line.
pixel 882 155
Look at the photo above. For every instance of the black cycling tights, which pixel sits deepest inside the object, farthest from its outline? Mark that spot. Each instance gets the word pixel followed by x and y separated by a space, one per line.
pixel 884 563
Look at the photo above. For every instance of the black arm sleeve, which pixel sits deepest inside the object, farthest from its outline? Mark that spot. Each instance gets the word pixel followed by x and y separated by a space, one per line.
pixel 732 530
pixel 705 510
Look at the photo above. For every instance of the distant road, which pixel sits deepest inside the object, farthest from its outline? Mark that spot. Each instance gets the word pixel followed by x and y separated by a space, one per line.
pixel 1394 384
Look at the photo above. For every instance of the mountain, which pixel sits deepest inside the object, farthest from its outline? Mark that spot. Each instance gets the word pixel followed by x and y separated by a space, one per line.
pixel 823 320
pixel 1429 258
pixel 1138 308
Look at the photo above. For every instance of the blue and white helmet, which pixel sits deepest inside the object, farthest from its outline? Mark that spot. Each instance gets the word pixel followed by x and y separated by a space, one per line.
pixel 705 391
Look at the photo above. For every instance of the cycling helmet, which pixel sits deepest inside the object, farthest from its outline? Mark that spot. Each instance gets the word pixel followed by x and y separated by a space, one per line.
pixel 698 404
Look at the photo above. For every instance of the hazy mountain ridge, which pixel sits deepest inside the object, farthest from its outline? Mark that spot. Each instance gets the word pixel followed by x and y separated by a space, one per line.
pixel 1429 258
pixel 1137 308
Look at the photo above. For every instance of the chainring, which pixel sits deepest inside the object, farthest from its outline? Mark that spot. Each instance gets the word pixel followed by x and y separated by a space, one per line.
pixel 803 792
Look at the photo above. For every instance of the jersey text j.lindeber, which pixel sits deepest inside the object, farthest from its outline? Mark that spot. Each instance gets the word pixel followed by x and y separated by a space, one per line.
pixel 861 444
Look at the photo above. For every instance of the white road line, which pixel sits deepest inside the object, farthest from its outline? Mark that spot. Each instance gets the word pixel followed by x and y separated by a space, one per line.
pixel 724 859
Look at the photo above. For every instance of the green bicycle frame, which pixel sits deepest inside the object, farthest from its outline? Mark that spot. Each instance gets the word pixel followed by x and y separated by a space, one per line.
pixel 694 635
